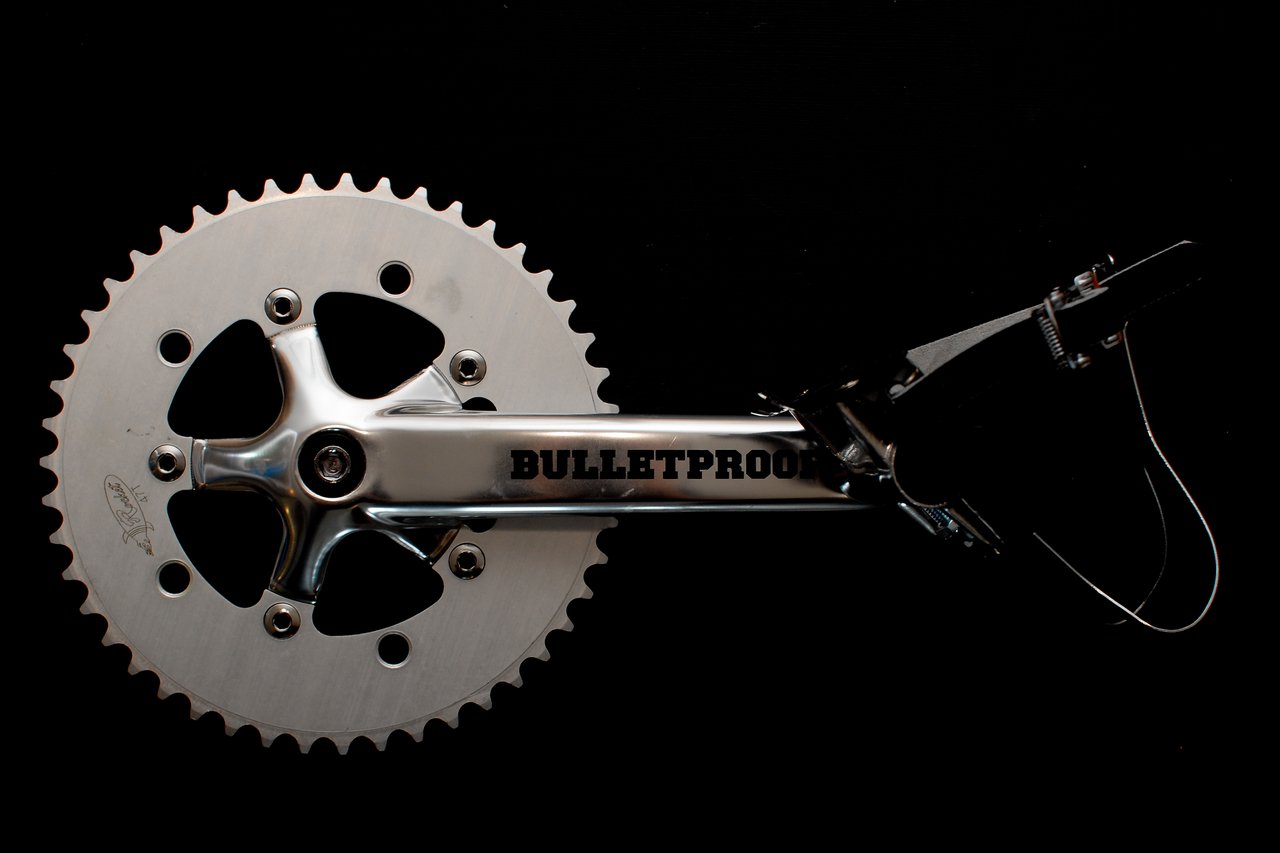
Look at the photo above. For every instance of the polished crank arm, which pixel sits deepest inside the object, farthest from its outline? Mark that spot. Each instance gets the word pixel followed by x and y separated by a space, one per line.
pixel 335 464
pixel 414 459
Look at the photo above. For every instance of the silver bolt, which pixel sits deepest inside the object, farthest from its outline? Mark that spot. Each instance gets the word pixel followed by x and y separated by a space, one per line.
pixel 282 620
pixel 466 561
pixel 332 463
pixel 283 306
pixel 167 463
pixel 1086 281
pixel 467 367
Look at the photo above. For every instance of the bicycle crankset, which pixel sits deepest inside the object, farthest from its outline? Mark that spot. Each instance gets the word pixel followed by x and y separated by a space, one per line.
pixel 492 459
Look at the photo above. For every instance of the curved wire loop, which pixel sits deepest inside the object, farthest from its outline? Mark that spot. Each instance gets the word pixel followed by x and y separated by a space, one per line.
pixel 1133 613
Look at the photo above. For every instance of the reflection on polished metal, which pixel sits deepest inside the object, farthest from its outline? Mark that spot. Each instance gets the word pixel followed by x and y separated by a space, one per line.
pixel 332 463
pixel 283 306
pixel 468 367
pixel 167 463
pixel 315 686
pixel 432 465
pixel 466 561
pixel 282 620
pixel 528 487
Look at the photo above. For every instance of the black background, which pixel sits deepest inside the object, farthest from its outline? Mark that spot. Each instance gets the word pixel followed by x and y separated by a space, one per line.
pixel 735 199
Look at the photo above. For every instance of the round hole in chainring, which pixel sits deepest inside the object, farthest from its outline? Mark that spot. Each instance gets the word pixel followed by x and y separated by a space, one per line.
pixel 173 578
pixel 174 348
pixel 395 278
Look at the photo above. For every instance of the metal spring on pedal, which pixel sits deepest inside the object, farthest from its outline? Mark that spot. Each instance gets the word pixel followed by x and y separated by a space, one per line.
pixel 1051 336
pixel 940 517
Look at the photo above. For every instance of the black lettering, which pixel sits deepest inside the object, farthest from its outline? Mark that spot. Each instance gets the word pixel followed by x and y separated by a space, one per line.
pixel 640 460
pixel 669 458
pixel 581 471
pixel 699 461
pixel 785 464
pixel 524 464
pixel 730 465
pixel 758 464
pixel 557 469
pixel 608 470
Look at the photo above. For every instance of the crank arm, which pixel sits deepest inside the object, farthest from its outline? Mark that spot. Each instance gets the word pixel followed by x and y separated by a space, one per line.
pixel 425 470
pixel 335 464
pixel 217 335
pixel 394 472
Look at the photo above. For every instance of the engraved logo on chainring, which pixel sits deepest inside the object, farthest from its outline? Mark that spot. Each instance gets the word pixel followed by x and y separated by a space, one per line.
pixel 126 506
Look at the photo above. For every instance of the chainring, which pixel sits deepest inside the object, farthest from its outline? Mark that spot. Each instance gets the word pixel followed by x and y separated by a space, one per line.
pixel 313 241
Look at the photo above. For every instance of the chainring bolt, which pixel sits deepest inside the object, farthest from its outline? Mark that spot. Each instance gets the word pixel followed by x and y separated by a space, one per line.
pixel 467 367
pixel 466 561
pixel 282 620
pixel 283 306
pixel 167 463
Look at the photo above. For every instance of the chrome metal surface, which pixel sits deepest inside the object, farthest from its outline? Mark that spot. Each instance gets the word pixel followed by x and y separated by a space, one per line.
pixel 167 463
pixel 540 471
pixel 521 461
pixel 283 306
pixel 333 463
pixel 282 620
pixel 120 535
pixel 466 561
pixel 425 463
pixel 468 367
pixel 1087 280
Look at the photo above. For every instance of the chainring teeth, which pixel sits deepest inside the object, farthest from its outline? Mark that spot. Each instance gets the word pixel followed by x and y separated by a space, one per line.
pixel 75 570
pixel 451 715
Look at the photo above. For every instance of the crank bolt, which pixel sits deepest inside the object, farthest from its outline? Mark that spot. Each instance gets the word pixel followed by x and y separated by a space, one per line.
pixel 466 561
pixel 167 463
pixel 333 463
pixel 283 306
pixel 467 367
pixel 282 620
